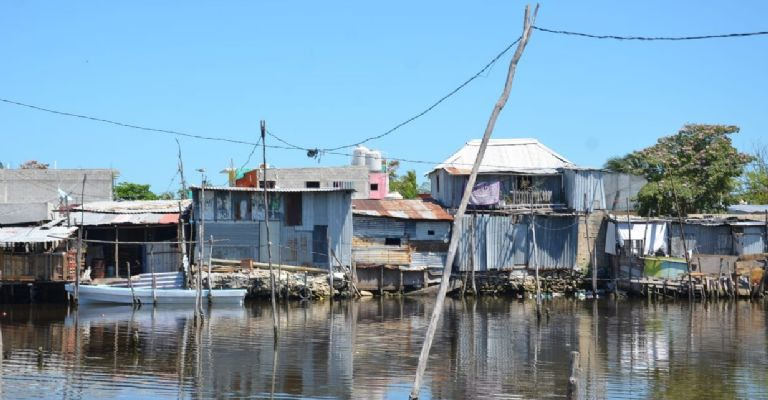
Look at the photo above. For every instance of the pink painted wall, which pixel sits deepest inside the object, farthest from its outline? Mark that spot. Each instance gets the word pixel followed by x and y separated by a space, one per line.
pixel 381 179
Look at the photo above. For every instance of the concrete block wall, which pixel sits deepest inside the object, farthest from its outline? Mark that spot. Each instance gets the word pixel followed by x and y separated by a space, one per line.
pixel 596 240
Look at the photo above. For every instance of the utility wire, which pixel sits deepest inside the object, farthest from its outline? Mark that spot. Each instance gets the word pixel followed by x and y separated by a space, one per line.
pixel 435 104
pixel 126 125
pixel 651 38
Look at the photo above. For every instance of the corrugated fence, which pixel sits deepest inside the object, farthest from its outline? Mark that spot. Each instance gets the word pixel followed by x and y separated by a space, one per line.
pixel 504 242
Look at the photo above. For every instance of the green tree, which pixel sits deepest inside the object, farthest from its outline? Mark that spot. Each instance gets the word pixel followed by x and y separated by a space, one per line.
pixel 133 191
pixel 405 185
pixel 754 185
pixel 692 171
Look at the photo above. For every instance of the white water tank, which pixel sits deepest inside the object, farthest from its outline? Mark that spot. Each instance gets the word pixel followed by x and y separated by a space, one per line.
pixel 374 161
pixel 359 155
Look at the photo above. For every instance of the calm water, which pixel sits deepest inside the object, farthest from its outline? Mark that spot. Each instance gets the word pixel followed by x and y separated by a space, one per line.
pixel 490 348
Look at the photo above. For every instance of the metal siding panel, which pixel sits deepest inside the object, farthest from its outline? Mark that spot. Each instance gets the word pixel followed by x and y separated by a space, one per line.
pixel 702 239
pixel 428 259
pixel 320 205
pixel 464 255
pixel 556 242
pixel 752 241
pixel 578 183
pixel 378 227
pixel 162 256
pixel 308 221
pixel 238 240
pixel 441 230
pixel 340 225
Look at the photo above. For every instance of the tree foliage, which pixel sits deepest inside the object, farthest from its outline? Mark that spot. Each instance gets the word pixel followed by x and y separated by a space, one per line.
pixel 692 171
pixel 405 185
pixel 754 185
pixel 133 191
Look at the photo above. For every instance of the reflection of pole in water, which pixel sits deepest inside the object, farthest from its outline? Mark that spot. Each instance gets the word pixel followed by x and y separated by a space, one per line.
pixel 275 352
pixel 182 357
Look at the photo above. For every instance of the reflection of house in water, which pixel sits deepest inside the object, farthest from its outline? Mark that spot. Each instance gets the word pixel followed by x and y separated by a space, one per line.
pixel 149 229
pixel 399 244
pixel 304 224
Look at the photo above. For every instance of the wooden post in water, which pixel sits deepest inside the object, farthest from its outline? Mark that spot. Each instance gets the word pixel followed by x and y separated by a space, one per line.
pixel 592 260
pixel 117 253
pixel 210 277
pixel 130 282
pixel 263 126
pixel 573 379
pixel 685 245
pixel 457 221
pixel 152 271
pixel 535 261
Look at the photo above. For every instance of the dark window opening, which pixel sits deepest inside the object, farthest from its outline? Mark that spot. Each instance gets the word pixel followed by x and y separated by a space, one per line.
pixel 430 232
pixel 437 183
pixel 270 184
pixel 374 187
pixel 292 209
pixel 312 184
pixel 392 241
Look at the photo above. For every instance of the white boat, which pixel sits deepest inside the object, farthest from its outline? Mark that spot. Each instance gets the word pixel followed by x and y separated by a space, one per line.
pixel 167 291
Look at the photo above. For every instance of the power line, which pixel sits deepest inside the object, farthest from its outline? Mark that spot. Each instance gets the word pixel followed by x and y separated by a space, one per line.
pixel 651 38
pixel 435 104
pixel 125 125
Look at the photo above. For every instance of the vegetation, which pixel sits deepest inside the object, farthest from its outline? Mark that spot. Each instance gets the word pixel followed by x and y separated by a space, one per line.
pixel 754 185
pixel 693 171
pixel 405 185
pixel 136 191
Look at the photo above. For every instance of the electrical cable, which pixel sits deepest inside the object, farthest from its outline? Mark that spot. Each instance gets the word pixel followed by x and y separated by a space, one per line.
pixel 651 38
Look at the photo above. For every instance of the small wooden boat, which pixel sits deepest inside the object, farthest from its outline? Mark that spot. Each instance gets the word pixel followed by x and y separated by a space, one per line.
pixel 168 290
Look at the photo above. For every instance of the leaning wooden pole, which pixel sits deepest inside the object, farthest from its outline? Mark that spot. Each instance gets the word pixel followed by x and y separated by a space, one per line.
pixel 457 221
pixel 266 228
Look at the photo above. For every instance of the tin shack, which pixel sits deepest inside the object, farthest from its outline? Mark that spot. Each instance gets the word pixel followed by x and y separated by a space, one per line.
pixel 399 244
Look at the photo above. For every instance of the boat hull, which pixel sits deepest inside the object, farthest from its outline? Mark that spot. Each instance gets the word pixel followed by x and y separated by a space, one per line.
pixel 120 295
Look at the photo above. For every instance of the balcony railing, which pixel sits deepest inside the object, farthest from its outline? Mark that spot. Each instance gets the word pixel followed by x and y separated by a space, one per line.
pixel 526 197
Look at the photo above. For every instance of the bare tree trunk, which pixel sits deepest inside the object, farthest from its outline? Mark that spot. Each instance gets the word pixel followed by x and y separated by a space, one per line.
pixel 457 221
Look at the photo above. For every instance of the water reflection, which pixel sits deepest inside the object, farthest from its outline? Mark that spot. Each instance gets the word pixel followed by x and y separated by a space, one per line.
pixel 487 348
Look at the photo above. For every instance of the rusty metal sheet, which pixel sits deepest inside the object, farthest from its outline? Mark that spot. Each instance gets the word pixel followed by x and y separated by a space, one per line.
pixel 418 209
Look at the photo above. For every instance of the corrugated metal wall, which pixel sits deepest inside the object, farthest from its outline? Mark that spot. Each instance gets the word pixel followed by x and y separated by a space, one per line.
pixel 240 239
pixel 581 182
pixel 701 239
pixel 234 241
pixel 340 225
pixel 163 257
pixel 749 240
pixel 503 242
pixel 379 227
pixel 619 188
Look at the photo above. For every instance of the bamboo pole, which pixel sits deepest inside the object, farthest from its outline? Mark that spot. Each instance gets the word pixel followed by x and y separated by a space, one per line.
pixel 130 282
pixel 457 221
pixel 263 126
pixel 573 379
pixel 80 241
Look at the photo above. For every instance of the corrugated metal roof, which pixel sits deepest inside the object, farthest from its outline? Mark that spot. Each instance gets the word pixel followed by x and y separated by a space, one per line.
pixel 136 207
pixel 401 209
pixel 275 190
pixel 96 219
pixel 506 155
pixel 748 209
pixel 34 234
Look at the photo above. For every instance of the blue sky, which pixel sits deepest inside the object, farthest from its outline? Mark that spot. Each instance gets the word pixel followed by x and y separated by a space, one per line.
pixel 325 74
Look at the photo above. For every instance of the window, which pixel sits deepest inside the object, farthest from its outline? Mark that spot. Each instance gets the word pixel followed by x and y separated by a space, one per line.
pixel 430 232
pixel 392 241
pixel 292 209
pixel 374 187
pixel 437 183
pixel 270 184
